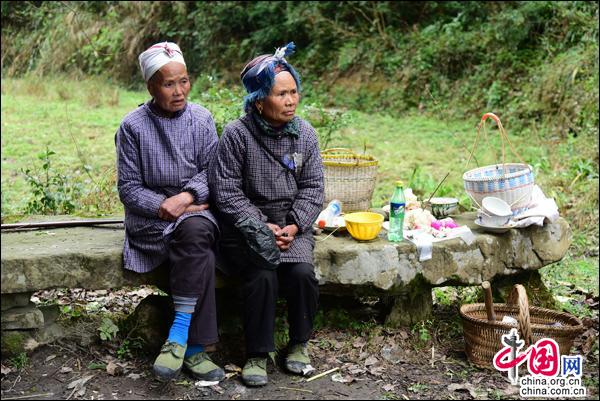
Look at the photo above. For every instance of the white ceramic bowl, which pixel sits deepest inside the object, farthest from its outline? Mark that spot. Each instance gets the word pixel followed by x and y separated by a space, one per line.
pixel 496 206
pixel 490 220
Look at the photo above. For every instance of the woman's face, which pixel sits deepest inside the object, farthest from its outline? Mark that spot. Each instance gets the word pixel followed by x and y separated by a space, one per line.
pixel 280 106
pixel 170 87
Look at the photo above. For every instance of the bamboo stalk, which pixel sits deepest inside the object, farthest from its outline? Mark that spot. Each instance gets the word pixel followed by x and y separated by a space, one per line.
pixel 322 374
pixel 59 224
pixel 21 397
pixel 296 389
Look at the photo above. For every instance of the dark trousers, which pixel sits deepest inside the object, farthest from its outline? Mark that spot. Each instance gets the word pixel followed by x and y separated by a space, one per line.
pixel 192 274
pixel 297 283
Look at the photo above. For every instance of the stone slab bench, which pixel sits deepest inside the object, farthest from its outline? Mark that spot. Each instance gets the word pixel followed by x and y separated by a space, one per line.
pixel 91 258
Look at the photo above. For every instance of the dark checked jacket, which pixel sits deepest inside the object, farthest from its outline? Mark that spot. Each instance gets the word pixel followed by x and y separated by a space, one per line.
pixel 158 157
pixel 246 181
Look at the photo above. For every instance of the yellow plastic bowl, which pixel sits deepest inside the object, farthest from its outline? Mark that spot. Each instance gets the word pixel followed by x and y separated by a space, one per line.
pixel 363 226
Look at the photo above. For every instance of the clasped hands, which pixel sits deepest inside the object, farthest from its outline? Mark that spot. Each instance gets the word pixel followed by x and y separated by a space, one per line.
pixel 173 207
pixel 283 236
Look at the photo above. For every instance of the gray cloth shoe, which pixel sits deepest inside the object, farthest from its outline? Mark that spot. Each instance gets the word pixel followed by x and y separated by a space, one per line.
pixel 168 363
pixel 255 372
pixel 203 368
pixel 297 359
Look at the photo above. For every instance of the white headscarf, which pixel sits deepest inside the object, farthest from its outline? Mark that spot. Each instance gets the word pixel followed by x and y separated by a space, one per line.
pixel 158 55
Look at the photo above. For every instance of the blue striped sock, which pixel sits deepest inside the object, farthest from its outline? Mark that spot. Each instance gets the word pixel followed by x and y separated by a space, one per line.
pixel 179 329
pixel 193 349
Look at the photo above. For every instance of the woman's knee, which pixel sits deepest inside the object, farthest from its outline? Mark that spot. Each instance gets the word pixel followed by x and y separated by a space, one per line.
pixel 300 272
pixel 262 280
pixel 196 228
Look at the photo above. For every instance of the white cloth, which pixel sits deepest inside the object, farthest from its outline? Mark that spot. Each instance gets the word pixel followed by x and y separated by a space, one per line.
pixel 157 56
pixel 539 209
pixel 424 241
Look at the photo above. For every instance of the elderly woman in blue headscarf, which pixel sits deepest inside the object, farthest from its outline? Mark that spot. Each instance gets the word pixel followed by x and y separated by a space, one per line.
pixel 163 152
pixel 267 184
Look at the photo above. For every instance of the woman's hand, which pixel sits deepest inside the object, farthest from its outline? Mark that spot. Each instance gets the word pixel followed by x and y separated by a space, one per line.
pixel 274 228
pixel 173 207
pixel 196 208
pixel 285 236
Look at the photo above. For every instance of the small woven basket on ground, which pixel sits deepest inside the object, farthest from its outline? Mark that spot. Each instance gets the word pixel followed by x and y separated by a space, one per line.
pixel 483 336
pixel 350 178
pixel 512 182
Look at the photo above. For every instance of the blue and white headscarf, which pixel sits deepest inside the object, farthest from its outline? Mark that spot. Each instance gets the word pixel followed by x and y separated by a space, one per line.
pixel 258 76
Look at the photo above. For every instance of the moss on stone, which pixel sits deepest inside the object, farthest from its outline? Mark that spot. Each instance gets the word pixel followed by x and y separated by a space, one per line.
pixel 13 343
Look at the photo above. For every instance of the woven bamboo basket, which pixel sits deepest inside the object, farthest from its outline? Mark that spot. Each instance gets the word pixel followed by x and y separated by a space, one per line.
pixel 350 178
pixel 512 182
pixel 483 337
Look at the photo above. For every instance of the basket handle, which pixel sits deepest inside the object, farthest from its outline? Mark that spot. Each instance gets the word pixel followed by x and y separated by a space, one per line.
pixel 345 151
pixel 489 301
pixel 339 150
pixel 503 136
pixel 518 297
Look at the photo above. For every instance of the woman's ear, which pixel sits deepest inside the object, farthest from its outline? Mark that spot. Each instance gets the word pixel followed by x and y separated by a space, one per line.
pixel 259 106
pixel 150 88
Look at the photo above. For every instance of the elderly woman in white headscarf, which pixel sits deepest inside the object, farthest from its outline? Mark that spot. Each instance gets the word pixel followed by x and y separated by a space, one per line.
pixel 163 150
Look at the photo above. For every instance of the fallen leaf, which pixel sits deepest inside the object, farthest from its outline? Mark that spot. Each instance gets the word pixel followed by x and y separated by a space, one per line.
pixel 510 390
pixel 95 365
pixel 562 299
pixel 588 322
pixel 357 371
pixel 218 388
pixel 392 354
pixel 372 360
pixel 588 345
pixel 30 345
pixel 333 360
pixel 78 386
pixel 113 369
pixel 50 357
pixel 377 370
pixel 468 387
pixel 359 342
pixel 403 334
pixel 80 382
pixel 230 367
pixel 342 379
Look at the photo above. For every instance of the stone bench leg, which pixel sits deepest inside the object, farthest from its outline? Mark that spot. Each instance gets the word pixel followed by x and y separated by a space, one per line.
pixel 24 325
pixel 538 294
pixel 413 304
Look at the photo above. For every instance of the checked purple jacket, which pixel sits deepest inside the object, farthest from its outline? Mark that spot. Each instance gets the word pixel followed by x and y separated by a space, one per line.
pixel 158 157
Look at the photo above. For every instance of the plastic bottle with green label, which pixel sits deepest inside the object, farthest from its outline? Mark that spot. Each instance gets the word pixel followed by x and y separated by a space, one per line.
pixel 397 205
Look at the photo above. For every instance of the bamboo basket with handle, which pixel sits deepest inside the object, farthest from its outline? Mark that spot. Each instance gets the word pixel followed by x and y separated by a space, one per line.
pixel 483 335
pixel 511 182
pixel 349 178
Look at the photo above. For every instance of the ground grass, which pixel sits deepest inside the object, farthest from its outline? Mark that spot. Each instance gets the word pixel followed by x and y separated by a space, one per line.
pixel 77 119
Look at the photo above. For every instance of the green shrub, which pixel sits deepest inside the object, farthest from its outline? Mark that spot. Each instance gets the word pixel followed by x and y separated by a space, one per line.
pixel 53 192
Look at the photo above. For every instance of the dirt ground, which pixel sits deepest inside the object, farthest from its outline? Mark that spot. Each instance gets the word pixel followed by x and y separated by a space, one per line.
pixel 373 362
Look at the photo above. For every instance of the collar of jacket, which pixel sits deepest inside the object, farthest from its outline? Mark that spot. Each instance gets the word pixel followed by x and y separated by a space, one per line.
pixel 292 128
